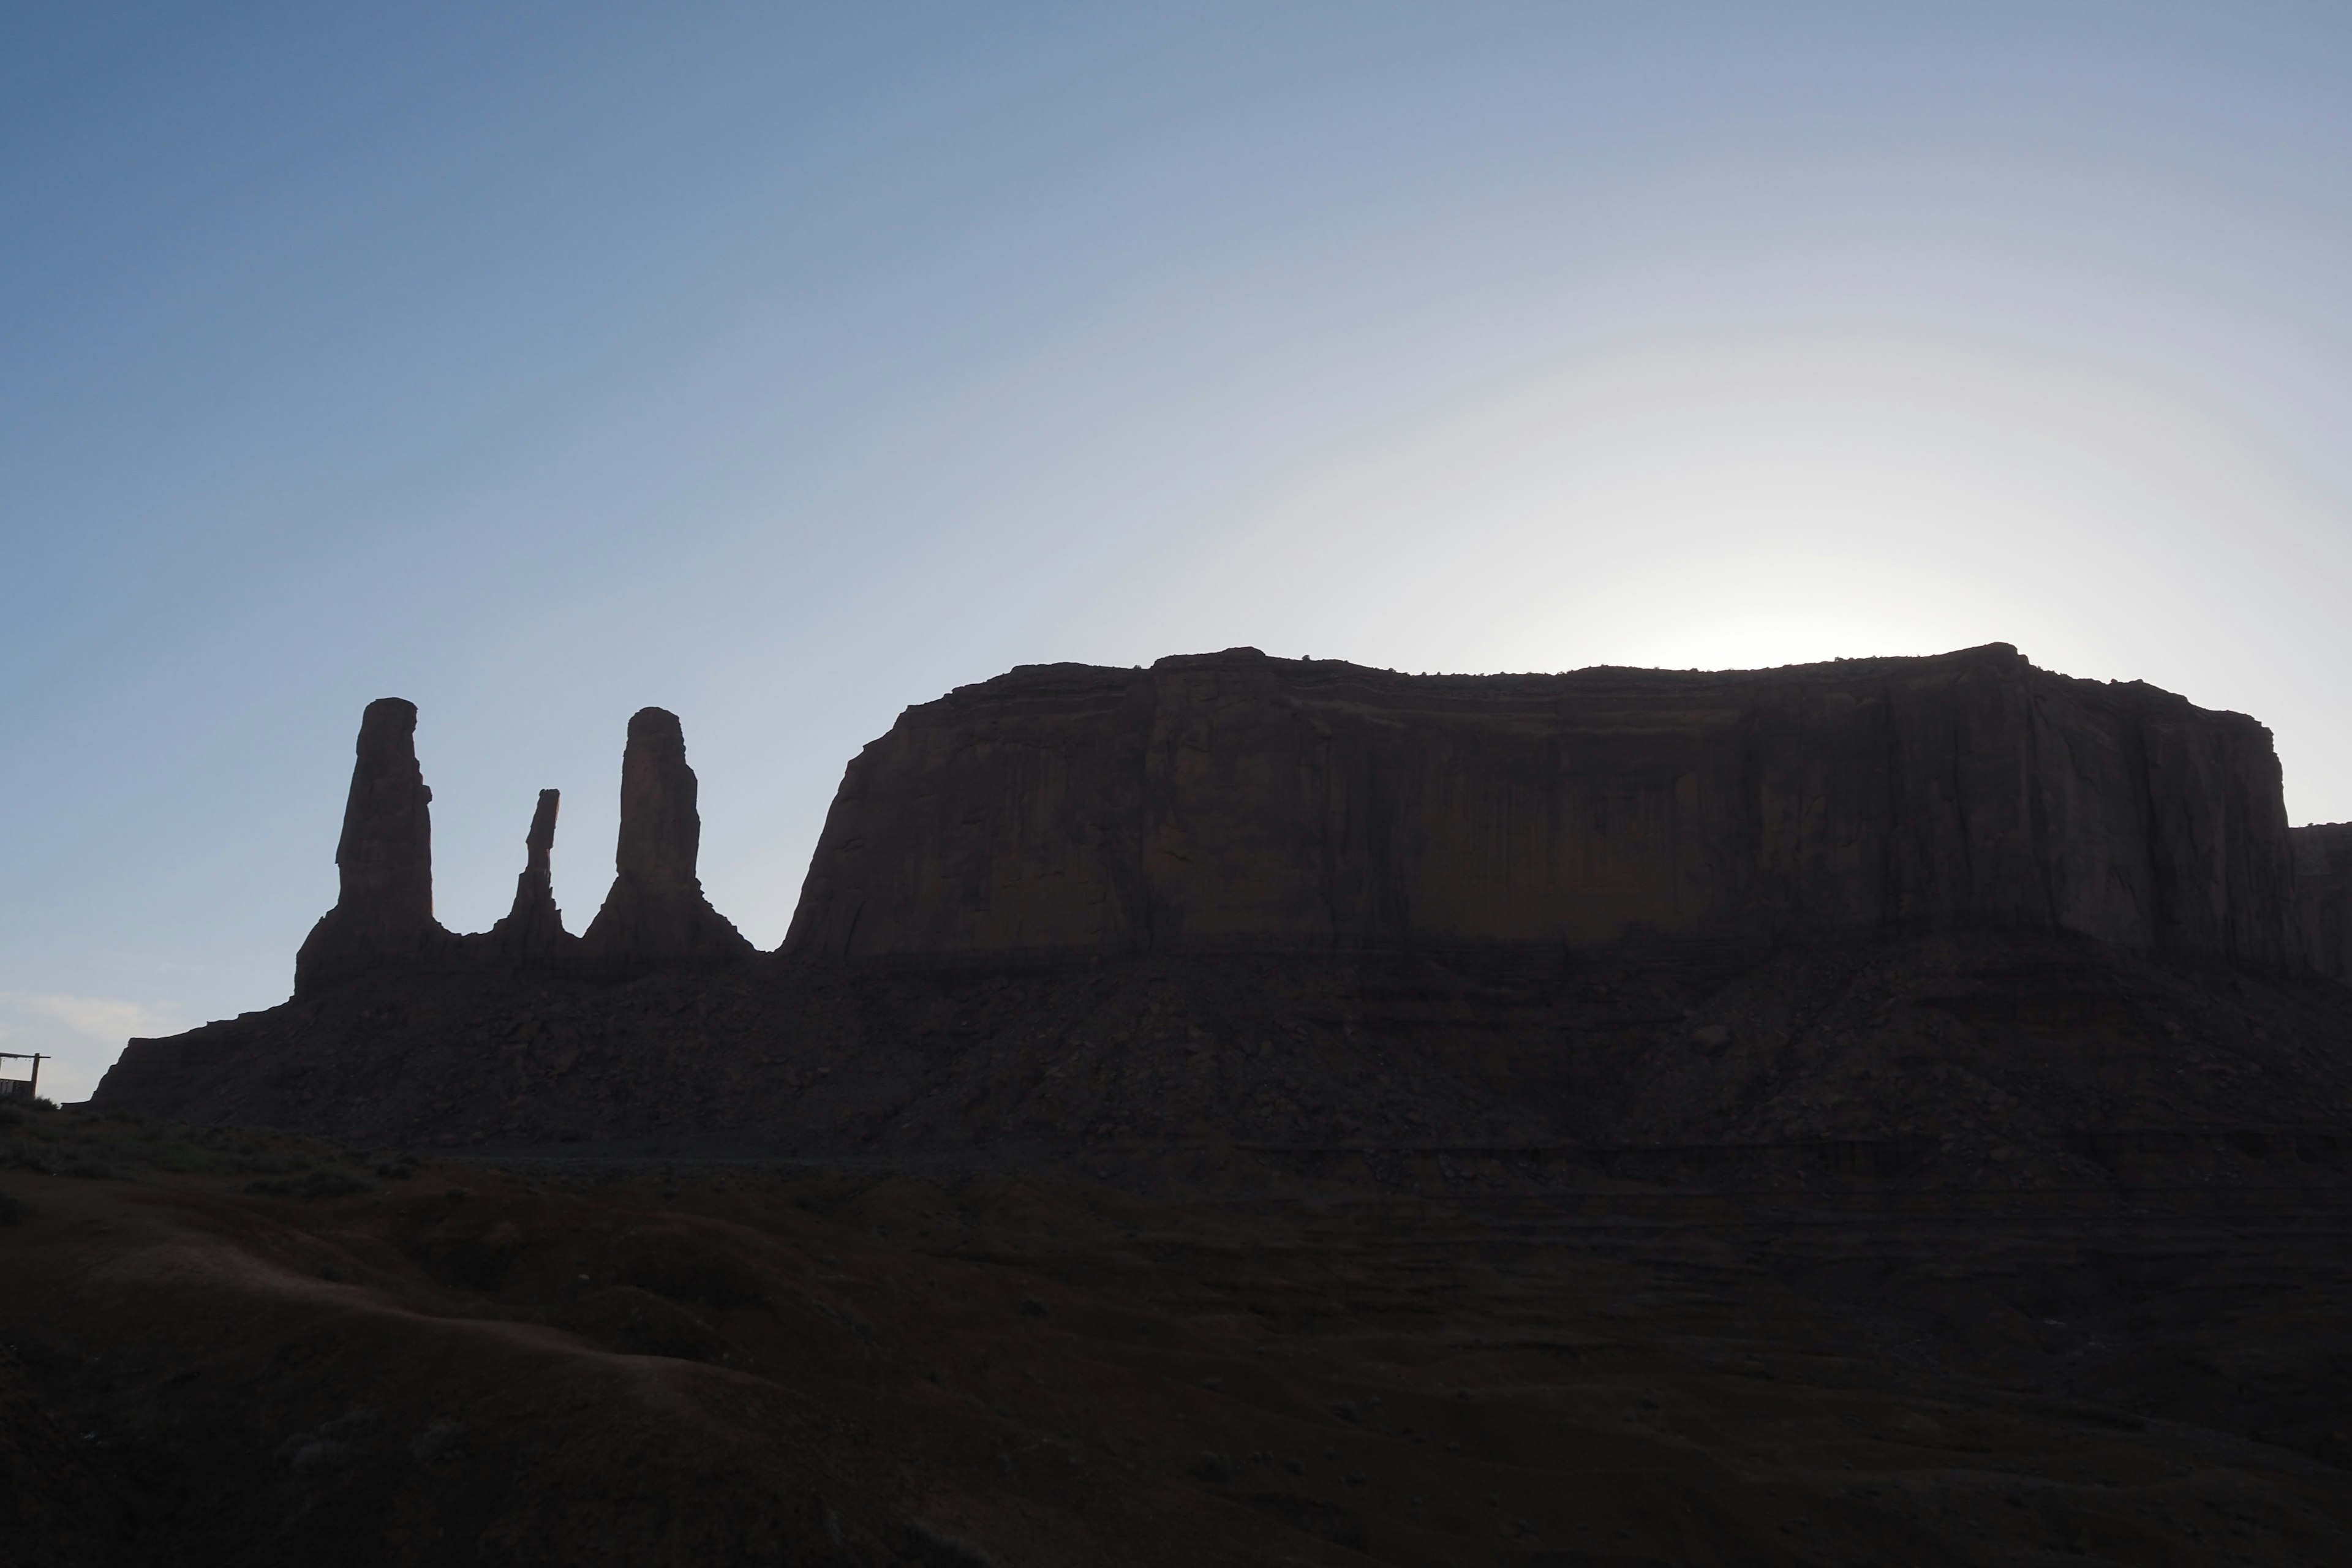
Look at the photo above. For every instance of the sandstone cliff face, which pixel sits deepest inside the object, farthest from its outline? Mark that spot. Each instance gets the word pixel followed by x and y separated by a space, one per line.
pixel 2323 854
pixel 383 914
pixel 656 912
pixel 1233 800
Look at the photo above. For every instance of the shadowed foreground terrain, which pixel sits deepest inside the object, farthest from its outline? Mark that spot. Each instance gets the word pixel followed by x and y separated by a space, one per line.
pixel 234 1347
pixel 1960 1248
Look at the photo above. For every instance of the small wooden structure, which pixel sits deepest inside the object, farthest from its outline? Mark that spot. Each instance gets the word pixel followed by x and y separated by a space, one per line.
pixel 22 1089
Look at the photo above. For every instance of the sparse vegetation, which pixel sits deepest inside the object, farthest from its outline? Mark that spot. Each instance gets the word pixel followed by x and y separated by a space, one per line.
pixel 74 1143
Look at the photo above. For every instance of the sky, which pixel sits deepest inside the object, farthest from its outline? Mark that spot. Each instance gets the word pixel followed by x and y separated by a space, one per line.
pixel 785 365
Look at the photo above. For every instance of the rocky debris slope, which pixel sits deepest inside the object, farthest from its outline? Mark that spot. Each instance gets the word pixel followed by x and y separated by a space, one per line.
pixel 1237 801
pixel 2045 1059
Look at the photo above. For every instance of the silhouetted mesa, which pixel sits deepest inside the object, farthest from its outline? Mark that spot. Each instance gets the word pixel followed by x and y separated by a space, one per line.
pixel 656 912
pixel 1235 801
pixel 383 916
pixel 1956 905
pixel 532 932
pixel 1230 801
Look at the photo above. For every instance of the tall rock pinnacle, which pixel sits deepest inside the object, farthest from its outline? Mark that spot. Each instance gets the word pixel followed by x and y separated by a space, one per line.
pixel 533 928
pixel 656 912
pixel 384 916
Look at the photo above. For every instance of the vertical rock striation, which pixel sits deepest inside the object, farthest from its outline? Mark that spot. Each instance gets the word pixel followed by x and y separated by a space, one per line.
pixel 656 912
pixel 2323 863
pixel 532 933
pixel 1233 800
pixel 383 916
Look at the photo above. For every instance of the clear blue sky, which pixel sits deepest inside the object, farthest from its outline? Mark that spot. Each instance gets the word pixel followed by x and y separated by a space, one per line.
pixel 785 365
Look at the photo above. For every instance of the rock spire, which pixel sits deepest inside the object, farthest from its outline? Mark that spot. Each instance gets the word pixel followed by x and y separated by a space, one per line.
pixel 656 912
pixel 383 915
pixel 532 932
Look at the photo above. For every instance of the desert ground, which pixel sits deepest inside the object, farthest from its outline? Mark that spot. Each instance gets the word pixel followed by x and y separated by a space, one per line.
pixel 1304 1279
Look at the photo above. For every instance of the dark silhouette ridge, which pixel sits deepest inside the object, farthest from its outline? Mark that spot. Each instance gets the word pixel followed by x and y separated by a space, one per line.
pixel 383 916
pixel 656 913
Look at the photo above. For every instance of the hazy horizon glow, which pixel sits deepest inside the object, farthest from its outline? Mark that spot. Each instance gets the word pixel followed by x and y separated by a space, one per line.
pixel 784 368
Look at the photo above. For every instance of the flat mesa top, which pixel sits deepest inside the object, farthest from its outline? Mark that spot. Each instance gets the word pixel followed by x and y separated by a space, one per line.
pixel 2000 659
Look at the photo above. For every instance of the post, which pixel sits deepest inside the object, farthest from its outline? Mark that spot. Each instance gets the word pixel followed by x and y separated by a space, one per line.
pixel 33 1084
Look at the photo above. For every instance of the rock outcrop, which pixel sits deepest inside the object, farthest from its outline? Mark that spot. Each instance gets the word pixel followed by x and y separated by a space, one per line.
pixel 656 915
pixel 2323 858
pixel 383 916
pixel 656 912
pixel 1230 801
pixel 532 933
pixel 1236 801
